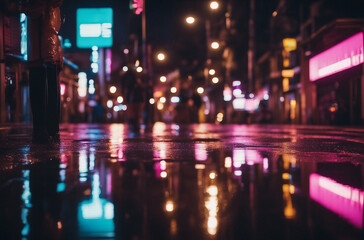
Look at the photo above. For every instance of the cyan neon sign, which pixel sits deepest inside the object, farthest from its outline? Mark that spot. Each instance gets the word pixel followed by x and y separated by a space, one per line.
pixel 94 27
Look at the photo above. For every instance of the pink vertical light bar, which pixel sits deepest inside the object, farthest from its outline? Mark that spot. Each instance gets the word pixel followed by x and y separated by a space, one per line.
pixel 108 61
pixel 62 88
pixel 108 183
pixel 344 55
pixel 341 199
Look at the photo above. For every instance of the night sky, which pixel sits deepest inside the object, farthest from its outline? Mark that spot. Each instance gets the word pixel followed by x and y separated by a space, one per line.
pixel 164 18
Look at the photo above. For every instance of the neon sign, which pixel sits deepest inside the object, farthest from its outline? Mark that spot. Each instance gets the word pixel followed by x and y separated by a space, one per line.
pixel 345 55
pixel 82 84
pixel 341 199
pixel 94 27
pixel 137 6
pixel 23 36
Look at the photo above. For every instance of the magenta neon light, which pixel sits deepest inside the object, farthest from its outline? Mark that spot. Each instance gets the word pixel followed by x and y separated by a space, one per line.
pixel 341 199
pixel 344 55
pixel 62 88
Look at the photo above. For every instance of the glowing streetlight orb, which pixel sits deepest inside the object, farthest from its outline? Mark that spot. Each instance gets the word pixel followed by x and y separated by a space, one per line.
pixel 164 174
pixel 162 99
pixel 169 206
pixel 214 5
pixel 215 45
pixel 215 80
pixel 151 101
pixel 160 106
pixel 125 68
pixel 139 69
pixel 163 79
pixel 190 20
pixel 173 89
pixel 161 56
pixel 120 99
pixel 200 90
pixel 112 89
pixel 109 103
pixel 212 72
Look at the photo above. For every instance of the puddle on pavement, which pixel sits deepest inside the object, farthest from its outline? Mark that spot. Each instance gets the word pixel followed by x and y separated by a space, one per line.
pixel 211 193
pixel 180 190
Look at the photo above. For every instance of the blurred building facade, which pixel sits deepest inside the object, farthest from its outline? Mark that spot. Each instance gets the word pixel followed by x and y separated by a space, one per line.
pixel 14 85
pixel 297 33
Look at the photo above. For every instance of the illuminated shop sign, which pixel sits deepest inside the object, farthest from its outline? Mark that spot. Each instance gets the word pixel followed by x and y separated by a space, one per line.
pixel 137 6
pixel 94 27
pixel 341 199
pixel 23 36
pixel 345 55
pixel 82 84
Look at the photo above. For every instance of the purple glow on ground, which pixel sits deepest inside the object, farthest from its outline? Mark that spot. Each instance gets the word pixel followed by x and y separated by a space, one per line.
pixel 341 199
pixel 345 55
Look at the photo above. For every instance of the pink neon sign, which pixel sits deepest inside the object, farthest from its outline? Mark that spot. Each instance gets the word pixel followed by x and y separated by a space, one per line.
pixel 344 55
pixel 137 5
pixel 62 88
pixel 341 199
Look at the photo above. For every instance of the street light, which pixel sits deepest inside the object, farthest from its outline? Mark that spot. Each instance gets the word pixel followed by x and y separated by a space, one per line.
pixel 139 69
pixel 215 80
pixel 112 89
pixel 212 72
pixel 214 5
pixel 215 45
pixel 161 56
pixel 163 79
pixel 120 99
pixel 173 89
pixel 190 20
pixel 162 99
pixel 200 90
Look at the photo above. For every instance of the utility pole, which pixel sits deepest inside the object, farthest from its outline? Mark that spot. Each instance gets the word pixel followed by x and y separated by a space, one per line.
pixel 144 37
pixel 2 72
pixel 251 48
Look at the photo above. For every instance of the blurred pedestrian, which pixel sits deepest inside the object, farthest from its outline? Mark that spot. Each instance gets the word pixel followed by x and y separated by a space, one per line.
pixel 98 112
pixel 197 103
pixel 133 90
pixel 46 61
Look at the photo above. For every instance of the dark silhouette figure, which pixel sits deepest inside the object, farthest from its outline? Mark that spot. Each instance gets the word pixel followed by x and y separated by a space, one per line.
pixel 133 90
pixel 45 63
pixel 98 113
pixel 44 214
pixel 197 103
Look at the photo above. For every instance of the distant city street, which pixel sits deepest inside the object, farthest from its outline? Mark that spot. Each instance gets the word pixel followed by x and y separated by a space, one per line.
pixel 181 119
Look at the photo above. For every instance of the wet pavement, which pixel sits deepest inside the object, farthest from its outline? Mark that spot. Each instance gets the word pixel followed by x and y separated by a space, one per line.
pixel 183 182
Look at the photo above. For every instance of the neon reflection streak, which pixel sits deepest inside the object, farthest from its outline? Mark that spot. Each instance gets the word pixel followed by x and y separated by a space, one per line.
pixel 211 204
pixel 96 215
pixel 238 157
pixel 160 150
pixel 242 156
pixel 200 152
pixel 26 196
pixel 159 129
pixel 82 165
pixel 341 199
pixel 116 142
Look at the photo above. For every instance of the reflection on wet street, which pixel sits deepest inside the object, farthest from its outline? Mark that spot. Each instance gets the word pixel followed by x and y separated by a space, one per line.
pixel 183 182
